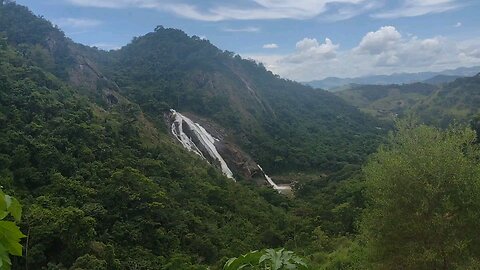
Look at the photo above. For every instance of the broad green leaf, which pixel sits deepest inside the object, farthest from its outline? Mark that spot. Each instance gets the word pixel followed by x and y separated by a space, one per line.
pixel 10 236
pixel 8 201
pixel 3 204
pixel 5 262
pixel 15 209
pixel 249 259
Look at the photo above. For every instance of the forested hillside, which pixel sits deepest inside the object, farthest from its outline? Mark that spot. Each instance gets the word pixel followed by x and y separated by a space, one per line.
pixel 455 101
pixel 284 125
pixel 104 189
pixel 387 101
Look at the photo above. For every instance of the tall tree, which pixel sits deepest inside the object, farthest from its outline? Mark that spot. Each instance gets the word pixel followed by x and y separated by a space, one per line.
pixel 424 200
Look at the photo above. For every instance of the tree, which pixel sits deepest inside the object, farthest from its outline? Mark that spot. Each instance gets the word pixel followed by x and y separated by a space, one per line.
pixel 423 191
pixel 10 234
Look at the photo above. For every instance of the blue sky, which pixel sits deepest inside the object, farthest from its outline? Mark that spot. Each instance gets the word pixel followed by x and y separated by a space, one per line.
pixel 299 39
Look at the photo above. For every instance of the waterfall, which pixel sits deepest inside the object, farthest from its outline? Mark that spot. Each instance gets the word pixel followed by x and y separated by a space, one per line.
pixel 202 143
pixel 205 140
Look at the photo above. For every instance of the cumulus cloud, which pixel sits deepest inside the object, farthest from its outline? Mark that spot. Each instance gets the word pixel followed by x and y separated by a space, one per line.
pixel 458 24
pixel 270 46
pixel 309 49
pixel 383 51
pixel 386 38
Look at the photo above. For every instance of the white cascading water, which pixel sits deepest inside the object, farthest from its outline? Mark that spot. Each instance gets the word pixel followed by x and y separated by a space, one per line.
pixel 270 181
pixel 208 142
pixel 204 138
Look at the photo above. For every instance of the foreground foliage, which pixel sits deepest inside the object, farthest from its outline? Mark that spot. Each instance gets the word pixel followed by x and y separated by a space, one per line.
pixel 10 233
pixel 271 259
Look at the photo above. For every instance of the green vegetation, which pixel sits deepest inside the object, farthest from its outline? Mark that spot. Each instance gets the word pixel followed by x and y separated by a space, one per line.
pixel 105 187
pixel 456 101
pixel 423 191
pixel 102 187
pixel 10 234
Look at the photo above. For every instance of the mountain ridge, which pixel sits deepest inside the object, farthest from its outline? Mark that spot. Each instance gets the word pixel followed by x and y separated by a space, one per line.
pixel 331 83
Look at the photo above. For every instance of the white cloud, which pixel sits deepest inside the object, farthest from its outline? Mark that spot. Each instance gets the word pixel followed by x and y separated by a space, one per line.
pixel 387 37
pixel 384 51
pixel 309 49
pixel 470 48
pixel 474 53
pixel 249 29
pixel 458 24
pixel 347 11
pixel 106 46
pixel 110 3
pixel 270 46
pixel 330 10
pixel 77 22
pixel 413 8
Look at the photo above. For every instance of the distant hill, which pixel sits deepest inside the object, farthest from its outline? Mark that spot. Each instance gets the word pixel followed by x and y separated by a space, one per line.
pixel 438 104
pixel 386 101
pixel 455 101
pixel 440 79
pixel 332 83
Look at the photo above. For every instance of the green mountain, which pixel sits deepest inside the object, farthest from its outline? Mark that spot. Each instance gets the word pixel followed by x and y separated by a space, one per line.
pixel 284 125
pixel 85 146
